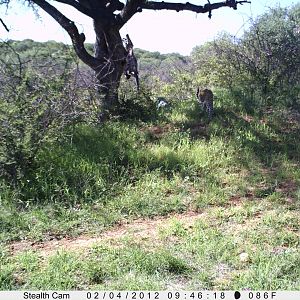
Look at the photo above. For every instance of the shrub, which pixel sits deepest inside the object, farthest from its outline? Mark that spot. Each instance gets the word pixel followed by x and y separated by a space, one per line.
pixel 135 105
pixel 35 108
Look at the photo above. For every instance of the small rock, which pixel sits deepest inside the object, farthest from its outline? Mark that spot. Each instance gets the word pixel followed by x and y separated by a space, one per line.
pixel 244 257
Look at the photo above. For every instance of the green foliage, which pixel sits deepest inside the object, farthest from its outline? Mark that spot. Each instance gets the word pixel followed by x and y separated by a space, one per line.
pixel 34 110
pixel 135 105
pixel 210 70
pixel 262 67
pixel 271 48
pixel 181 88
pixel 154 65
pixel 45 55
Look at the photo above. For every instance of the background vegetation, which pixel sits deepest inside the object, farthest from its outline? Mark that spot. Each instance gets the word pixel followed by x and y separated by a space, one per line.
pixel 63 175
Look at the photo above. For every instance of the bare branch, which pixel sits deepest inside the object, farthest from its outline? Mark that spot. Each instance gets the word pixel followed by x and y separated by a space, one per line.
pixel 85 10
pixel 131 7
pixel 70 27
pixel 4 25
pixel 134 6
pixel 95 9
pixel 192 7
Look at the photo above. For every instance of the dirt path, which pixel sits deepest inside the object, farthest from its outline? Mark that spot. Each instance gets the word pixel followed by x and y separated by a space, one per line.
pixel 138 229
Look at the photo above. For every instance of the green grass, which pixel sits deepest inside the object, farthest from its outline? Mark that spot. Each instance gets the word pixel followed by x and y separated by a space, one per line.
pixel 240 172
pixel 202 255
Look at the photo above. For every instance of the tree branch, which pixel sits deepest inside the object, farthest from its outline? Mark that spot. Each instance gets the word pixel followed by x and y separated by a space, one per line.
pixel 83 9
pixel 131 7
pixel 70 27
pixel 134 6
pixel 192 7
pixel 94 8
pixel 114 5
pixel 4 25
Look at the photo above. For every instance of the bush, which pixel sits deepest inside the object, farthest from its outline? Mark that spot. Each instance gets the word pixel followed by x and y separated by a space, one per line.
pixel 35 108
pixel 261 68
pixel 135 105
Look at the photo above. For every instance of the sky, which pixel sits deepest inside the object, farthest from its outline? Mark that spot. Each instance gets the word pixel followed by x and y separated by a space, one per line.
pixel 163 31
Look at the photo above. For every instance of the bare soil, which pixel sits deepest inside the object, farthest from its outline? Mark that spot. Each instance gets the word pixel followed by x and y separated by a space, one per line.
pixel 139 229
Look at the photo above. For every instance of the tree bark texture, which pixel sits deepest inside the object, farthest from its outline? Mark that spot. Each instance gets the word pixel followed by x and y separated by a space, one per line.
pixel 111 55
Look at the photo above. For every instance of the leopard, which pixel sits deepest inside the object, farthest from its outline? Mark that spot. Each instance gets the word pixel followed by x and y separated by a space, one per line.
pixel 206 98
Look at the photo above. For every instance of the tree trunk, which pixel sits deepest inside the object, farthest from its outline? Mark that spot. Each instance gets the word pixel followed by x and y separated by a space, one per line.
pixel 111 55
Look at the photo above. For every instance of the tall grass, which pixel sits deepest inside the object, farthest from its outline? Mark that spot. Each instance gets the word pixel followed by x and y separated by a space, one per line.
pixel 122 170
pixel 104 173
